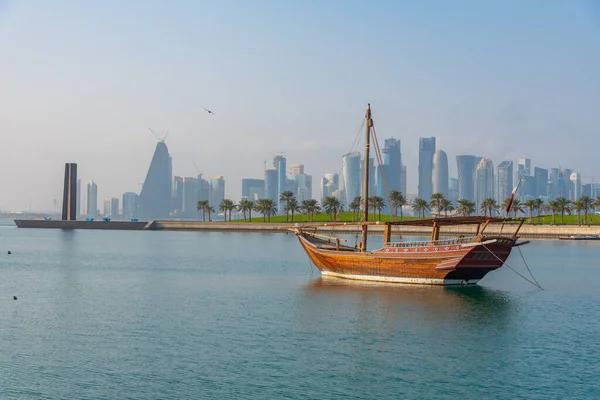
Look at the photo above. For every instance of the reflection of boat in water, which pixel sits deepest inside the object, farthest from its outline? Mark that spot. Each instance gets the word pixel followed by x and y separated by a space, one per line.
pixel 406 299
pixel 580 237
pixel 454 261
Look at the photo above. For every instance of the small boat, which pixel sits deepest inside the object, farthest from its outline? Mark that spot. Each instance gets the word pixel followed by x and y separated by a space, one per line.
pixel 580 237
pixel 453 261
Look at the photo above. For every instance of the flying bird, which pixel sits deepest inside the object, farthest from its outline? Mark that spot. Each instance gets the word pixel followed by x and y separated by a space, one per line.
pixel 210 112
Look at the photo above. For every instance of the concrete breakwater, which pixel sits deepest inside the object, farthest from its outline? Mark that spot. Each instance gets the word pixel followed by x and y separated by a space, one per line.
pixel 527 231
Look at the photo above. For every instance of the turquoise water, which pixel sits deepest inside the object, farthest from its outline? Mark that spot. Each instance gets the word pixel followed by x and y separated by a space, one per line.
pixel 182 315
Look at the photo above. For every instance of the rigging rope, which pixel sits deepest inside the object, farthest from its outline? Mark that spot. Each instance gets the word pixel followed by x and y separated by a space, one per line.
pixel 515 271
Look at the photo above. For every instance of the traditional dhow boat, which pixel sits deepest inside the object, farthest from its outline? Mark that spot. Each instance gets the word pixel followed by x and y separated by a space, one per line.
pixel 453 261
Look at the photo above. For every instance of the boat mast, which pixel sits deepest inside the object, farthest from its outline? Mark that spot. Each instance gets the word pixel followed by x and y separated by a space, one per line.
pixel 369 124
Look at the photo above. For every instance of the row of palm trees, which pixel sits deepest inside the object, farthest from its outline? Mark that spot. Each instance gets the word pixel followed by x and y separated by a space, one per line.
pixel 438 203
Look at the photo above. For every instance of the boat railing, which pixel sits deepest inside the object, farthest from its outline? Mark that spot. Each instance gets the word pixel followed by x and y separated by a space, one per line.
pixel 441 242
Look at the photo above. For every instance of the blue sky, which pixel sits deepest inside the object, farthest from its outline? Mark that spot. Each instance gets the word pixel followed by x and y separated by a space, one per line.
pixel 83 82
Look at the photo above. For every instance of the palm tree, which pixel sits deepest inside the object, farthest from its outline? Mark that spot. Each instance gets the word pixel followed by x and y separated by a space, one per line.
pixel 355 206
pixel 596 203
pixel 209 209
pixel 465 207
pixel 517 207
pixel 396 200
pixel 226 206
pixel 587 203
pixel 446 205
pixel 332 206
pixel 292 206
pixel 436 202
pixel 530 204
pixel 261 206
pixel 310 207
pixel 246 205
pixel 539 204
pixel 491 205
pixel 578 207
pixel 563 205
pixel 377 203
pixel 552 207
pixel 285 197
pixel 202 205
pixel 420 205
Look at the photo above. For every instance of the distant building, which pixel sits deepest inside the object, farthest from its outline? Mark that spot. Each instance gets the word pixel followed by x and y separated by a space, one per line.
pixel 504 181
pixel 303 185
pixel 351 177
pixel 111 207
pixel 79 200
pixel 279 164
pixel 575 180
pixel 426 151
pixel 155 198
pixel 541 182
pixel 330 186
pixel 69 209
pixel 190 197
pixel 295 170
pixel 484 181
pixel 389 175
pixel 523 167
pixel 253 189
pixel 131 205
pixel 217 191
pixel 177 195
pixel 453 191
pixel 440 173
pixel 92 199
pixel 467 165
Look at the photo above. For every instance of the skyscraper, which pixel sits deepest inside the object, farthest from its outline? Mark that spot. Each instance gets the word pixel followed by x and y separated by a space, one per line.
pixel 575 181
pixel 253 189
pixel 92 199
pixel 271 185
pixel 69 207
pixel 466 176
pixel 351 177
pixel 155 198
pixel 295 170
pixel 504 181
pixel 177 196
pixel 440 173
pixel 131 203
pixel 389 175
pixel 426 151
pixel 190 197
pixel 217 191
pixel 279 163
pixel 541 182
pixel 111 207
pixel 78 208
pixel 303 184
pixel 330 185
pixel 484 181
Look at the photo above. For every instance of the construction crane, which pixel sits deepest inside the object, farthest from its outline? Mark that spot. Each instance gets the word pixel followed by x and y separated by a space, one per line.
pixel 198 169
pixel 160 139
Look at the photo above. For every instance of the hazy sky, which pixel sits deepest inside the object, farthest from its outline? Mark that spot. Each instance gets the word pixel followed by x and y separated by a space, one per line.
pixel 82 81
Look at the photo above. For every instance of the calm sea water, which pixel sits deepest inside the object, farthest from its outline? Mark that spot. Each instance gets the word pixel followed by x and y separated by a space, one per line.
pixel 169 315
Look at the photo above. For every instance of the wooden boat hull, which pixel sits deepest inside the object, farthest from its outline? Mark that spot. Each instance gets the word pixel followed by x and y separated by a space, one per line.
pixel 458 264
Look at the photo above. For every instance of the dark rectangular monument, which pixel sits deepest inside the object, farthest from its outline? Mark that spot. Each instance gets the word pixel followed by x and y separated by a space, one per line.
pixel 69 210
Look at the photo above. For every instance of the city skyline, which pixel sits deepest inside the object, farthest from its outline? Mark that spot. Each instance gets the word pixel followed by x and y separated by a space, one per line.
pixel 84 85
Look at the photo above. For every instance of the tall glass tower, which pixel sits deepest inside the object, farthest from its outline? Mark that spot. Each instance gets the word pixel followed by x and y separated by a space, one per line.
pixel 426 151
pixel 155 198
pixel 440 173
pixel 466 176
pixel 351 176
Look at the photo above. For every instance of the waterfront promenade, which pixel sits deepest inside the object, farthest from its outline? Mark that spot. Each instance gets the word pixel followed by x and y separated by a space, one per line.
pixel 527 231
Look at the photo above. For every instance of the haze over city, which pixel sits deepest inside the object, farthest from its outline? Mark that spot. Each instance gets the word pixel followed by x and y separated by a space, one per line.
pixel 84 82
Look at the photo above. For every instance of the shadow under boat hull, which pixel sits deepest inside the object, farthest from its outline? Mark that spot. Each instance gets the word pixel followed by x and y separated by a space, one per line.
pixel 457 264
